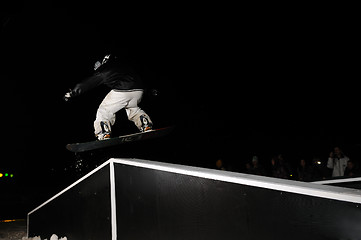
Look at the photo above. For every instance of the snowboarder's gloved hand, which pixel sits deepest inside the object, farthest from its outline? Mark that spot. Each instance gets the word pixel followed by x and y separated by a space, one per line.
pixel 72 93
pixel 68 95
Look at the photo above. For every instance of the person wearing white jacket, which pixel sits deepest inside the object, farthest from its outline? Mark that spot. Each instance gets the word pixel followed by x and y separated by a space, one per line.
pixel 337 161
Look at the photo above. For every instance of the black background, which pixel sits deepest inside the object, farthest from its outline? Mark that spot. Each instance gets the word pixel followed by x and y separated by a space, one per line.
pixel 237 81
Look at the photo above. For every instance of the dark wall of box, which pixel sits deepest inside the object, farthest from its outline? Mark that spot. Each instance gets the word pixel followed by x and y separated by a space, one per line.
pixel 353 185
pixel 153 204
pixel 82 212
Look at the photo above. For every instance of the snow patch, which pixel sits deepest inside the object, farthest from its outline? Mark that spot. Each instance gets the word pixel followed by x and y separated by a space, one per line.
pixel 53 237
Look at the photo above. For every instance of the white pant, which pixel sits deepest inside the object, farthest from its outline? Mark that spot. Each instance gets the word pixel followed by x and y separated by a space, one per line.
pixel 115 101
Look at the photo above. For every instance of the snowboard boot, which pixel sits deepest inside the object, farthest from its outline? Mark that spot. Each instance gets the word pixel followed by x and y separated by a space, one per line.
pixel 146 124
pixel 105 134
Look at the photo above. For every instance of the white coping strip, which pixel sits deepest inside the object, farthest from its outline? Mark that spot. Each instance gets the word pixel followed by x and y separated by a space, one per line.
pixel 310 189
pixel 27 226
pixel 338 180
pixel 113 202
pixel 70 186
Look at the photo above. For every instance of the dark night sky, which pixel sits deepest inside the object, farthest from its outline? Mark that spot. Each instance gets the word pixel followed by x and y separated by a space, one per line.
pixel 263 81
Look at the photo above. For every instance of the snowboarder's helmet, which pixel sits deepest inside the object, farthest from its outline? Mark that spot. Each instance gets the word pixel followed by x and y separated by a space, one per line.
pixel 107 58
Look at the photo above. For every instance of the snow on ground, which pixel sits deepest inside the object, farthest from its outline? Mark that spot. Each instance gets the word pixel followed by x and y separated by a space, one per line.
pixel 12 229
pixel 53 237
pixel 16 230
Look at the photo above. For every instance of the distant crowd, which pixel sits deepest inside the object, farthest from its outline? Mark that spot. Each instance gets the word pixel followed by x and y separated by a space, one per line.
pixel 337 165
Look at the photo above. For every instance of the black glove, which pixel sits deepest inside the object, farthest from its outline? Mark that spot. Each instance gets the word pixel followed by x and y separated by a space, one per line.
pixel 68 95
pixel 72 93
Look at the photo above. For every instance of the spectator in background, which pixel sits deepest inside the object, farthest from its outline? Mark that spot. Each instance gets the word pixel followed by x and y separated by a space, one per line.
pixel 337 161
pixel 254 167
pixel 285 164
pixel 278 170
pixel 257 168
pixel 303 171
pixel 220 164
pixel 249 168
pixel 351 170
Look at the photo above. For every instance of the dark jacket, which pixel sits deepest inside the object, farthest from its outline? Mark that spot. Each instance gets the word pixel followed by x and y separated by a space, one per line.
pixel 114 75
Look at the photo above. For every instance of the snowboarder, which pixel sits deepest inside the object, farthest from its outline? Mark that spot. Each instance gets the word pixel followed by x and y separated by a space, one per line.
pixel 127 91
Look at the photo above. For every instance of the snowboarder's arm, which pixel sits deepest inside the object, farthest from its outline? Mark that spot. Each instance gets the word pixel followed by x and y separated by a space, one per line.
pixel 86 85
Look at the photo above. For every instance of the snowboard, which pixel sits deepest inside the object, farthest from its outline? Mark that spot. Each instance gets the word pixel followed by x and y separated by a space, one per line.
pixel 87 146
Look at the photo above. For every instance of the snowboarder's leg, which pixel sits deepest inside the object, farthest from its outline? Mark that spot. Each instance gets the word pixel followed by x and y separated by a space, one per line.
pixel 136 114
pixel 140 119
pixel 105 117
